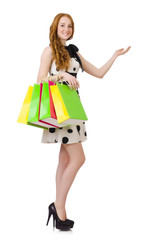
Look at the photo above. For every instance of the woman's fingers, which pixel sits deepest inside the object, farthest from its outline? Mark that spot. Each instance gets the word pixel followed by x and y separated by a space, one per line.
pixel 71 84
pixel 78 84
pixel 74 84
pixel 126 50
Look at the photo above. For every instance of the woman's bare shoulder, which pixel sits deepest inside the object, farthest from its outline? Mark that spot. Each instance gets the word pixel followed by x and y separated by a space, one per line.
pixel 47 52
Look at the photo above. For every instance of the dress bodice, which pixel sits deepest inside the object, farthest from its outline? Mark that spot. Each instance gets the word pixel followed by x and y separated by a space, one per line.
pixel 75 62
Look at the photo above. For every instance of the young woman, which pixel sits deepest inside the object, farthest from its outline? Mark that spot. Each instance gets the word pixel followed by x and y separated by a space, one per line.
pixel 62 62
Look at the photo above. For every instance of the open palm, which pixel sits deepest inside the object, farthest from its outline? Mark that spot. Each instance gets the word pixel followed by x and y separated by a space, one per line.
pixel 122 51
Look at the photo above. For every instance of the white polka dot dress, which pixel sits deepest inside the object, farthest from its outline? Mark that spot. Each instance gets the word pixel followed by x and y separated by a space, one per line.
pixel 68 134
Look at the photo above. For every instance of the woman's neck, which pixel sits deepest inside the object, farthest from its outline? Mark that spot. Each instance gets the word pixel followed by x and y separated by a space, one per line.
pixel 63 42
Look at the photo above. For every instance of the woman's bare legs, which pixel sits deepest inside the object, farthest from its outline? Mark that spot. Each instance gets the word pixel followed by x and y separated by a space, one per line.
pixel 63 162
pixel 73 157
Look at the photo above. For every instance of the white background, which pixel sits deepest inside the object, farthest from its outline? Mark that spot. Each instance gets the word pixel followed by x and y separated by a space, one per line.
pixel 116 192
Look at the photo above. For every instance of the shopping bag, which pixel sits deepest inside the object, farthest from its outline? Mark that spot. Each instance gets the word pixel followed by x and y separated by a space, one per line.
pixel 33 117
pixel 68 106
pixel 47 110
pixel 23 116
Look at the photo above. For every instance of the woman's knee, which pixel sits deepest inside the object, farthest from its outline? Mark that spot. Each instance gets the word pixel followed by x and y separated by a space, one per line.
pixel 82 159
pixel 79 159
pixel 63 156
pixel 76 153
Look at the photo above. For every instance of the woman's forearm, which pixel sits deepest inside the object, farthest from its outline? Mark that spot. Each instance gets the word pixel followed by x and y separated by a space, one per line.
pixel 105 68
pixel 53 78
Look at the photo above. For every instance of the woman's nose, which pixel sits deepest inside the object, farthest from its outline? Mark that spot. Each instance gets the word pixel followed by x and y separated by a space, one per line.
pixel 66 29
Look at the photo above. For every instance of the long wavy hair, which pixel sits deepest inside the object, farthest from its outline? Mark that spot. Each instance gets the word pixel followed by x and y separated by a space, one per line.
pixel 60 54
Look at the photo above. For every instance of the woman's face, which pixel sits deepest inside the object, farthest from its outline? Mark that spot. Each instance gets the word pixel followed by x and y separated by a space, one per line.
pixel 64 29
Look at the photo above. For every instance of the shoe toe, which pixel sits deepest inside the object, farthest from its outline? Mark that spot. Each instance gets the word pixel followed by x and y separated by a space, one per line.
pixel 70 222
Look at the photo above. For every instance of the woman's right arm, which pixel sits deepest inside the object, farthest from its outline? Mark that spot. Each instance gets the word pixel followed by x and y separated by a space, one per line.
pixel 45 64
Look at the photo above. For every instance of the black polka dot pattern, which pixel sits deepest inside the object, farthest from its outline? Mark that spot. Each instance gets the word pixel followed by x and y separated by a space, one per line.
pixel 65 140
pixel 78 128
pixel 74 69
pixel 52 130
pixel 65 135
pixel 69 130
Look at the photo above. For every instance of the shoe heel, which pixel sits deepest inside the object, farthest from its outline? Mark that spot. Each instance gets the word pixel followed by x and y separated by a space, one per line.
pixel 48 218
pixel 54 222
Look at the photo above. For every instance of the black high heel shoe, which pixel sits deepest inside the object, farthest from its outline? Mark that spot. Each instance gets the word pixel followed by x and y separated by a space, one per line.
pixel 57 222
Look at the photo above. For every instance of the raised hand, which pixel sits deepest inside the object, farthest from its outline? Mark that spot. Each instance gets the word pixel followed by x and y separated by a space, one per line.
pixel 121 51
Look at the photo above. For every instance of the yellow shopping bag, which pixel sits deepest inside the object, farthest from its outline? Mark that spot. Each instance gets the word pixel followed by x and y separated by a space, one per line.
pixel 23 116
pixel 61 111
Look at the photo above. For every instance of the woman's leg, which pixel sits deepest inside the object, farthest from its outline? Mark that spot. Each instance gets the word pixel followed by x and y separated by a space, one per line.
pixel 63 162
pixel 76 160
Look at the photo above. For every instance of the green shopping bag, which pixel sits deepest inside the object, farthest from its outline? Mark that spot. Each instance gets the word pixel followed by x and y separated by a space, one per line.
pixel 68 106
pixel 33 117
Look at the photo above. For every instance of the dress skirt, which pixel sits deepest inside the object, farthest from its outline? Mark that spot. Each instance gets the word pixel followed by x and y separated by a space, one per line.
pixel 65 135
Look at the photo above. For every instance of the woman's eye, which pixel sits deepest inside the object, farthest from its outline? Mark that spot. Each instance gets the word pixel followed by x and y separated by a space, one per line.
pixel 62 25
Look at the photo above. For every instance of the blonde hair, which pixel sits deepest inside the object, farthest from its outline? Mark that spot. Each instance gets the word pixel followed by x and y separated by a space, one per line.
pixel 60 54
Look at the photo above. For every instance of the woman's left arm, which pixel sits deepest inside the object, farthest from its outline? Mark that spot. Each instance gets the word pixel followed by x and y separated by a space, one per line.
pixel 100 72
